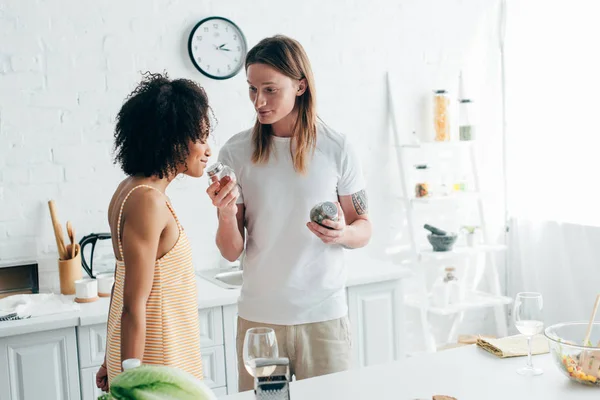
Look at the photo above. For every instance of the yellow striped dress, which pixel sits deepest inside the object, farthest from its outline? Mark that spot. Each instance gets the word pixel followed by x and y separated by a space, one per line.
pixel 172 323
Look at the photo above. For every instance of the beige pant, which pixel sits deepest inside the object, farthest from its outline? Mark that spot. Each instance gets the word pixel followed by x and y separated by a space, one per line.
pixel 313 349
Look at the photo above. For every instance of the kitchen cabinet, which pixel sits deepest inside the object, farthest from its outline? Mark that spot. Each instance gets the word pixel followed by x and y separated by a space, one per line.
pixel 376 316
pixel 62 363
pixel 92 346
pixel 40 365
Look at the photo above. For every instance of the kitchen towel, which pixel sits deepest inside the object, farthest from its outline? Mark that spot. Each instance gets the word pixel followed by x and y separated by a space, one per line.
pixel 36 305
pixel 513 346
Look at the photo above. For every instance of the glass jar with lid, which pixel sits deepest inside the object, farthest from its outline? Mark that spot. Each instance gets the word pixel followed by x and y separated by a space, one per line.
pixel 218 171
pixel 465 124
pixel 441 115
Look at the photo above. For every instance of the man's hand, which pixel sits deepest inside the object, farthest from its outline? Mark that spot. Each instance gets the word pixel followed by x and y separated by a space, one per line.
pixel 333 231
pixel 224 196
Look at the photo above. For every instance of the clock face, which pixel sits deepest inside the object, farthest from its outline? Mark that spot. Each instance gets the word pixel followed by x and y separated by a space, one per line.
pixel 217 47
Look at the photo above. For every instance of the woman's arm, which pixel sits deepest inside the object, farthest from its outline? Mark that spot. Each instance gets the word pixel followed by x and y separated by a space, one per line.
pixel 145 220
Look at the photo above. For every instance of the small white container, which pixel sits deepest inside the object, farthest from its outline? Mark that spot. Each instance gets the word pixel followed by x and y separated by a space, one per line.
pixel 86 290
pixel 105 284
pixel 131 363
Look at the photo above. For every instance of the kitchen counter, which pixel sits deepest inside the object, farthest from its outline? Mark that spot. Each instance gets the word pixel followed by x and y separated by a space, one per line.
pixel 466 373
pixel 209 295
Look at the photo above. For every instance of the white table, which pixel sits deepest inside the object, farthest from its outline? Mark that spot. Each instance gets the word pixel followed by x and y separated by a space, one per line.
pixel 467 373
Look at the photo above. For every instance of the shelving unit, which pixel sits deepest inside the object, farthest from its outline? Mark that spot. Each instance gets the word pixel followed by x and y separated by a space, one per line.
pixel 424 258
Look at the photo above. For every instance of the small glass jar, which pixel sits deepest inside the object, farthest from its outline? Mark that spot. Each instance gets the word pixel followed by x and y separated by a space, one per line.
pixel 322 211
pixel 422 185
pixel 218 171
pixel 465 125
pixel 441 115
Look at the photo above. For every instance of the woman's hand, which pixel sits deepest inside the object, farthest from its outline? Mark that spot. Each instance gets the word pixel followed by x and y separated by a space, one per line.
pixel 224 195
pixel 335 230
pixel 102 378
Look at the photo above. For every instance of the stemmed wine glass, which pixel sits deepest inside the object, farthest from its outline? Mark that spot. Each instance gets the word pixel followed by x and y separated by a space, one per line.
pixel 259 343
pixel 528 320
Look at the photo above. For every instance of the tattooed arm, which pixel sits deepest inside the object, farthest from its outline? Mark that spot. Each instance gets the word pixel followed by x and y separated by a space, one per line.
pixel 357 232
pixel 353 228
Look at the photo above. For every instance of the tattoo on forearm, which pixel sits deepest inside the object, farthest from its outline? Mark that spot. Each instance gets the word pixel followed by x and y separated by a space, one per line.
pixel 360 202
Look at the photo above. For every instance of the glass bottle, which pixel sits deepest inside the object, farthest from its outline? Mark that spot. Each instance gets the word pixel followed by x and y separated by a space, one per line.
pixel 446 289
pixel 219 170
pixel 465 125
pixel 453 286
pixel 441 115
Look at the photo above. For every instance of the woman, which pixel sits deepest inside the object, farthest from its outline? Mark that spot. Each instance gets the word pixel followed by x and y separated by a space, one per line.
pixel 294 273
pixel 161 132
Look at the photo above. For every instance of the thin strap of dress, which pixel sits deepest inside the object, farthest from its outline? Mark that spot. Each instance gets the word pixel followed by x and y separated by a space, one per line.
pixel 121 214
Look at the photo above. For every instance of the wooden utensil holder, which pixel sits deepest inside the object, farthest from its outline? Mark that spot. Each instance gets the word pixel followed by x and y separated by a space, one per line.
pixel 69 271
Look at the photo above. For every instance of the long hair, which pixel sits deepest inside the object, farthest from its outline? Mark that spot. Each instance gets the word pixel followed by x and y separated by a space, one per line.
pixel 287 56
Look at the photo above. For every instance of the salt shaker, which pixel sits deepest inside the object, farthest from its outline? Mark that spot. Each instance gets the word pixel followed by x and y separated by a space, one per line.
pixel 322 211
pixel 219 170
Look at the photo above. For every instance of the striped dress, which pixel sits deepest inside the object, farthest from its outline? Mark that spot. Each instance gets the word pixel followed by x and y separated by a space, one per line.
pixel 172 323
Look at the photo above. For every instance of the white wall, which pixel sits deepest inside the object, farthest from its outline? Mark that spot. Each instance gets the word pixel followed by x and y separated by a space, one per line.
pixel 66 66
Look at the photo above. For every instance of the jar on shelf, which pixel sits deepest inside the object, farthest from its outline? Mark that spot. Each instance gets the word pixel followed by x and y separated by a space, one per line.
pixel 465 125
pixel 422 187
pixel 441 115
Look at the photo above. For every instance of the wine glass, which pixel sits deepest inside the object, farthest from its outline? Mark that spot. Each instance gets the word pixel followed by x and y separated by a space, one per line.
pixel 259 343
pixel 528 320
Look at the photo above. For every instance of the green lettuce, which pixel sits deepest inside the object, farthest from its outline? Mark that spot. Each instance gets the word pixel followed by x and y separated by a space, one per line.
pixel 157 383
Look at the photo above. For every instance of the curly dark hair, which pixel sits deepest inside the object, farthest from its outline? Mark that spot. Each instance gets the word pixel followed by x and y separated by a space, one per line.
pixel 157 122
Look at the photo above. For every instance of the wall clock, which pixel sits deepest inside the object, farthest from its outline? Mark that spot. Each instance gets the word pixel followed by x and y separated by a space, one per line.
pixel 217 47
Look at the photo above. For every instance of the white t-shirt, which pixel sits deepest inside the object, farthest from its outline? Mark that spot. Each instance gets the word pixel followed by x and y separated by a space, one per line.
pixel 290 276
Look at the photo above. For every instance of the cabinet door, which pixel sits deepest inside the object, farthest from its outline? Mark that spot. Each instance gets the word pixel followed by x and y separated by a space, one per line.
pixel 40 365
pixel 89 391
pixel 213 365
pixel 377 322
pixel 230 332
pixel 211 327
pixel 92 345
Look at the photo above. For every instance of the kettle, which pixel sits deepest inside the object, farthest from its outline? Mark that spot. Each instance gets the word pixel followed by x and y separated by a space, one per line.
pixel 104 260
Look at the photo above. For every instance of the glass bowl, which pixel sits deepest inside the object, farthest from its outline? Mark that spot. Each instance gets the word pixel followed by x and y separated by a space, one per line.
pixel 576 360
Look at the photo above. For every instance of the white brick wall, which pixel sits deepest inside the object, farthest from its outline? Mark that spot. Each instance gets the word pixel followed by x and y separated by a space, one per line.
pixel 66 66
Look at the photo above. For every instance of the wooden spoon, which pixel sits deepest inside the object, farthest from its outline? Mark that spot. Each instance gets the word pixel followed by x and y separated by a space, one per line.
pixel 71 233
pixel 591 323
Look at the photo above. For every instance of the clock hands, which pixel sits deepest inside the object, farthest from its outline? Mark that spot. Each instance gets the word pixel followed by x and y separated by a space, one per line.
pixel 221 47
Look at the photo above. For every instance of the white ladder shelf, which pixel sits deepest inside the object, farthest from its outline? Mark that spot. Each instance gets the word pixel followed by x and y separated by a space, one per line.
pixel 422 257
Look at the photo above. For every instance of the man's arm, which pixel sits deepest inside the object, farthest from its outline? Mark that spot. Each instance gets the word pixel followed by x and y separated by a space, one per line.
pixel 353 227
pixel 230 233
pixel 358 226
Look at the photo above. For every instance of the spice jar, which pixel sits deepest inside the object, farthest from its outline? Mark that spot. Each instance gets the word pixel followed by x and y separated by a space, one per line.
pixel 465 126
pixel 441 115
pixel 422 185
pixel 322 211
pixel 421 190
pixel 219 170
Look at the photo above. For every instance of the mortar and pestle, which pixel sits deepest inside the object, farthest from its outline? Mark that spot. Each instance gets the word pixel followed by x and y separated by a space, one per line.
pixel 440 240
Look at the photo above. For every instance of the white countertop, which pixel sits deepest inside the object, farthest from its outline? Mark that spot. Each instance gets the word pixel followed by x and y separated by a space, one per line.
pixel 209 295
pixel 467 373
